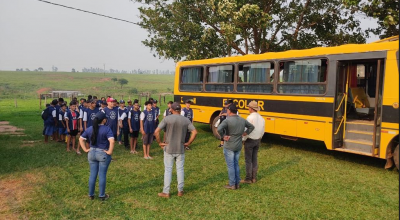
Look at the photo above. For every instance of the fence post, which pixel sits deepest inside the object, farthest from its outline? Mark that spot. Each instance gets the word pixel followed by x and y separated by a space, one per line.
pixel 40 101
pixel 159 99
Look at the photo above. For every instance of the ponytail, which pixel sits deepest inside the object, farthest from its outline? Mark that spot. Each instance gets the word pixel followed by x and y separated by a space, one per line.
pixel 93 138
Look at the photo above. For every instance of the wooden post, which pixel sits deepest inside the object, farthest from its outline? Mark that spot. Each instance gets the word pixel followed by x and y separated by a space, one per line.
pixel 40 101
pixel 159 99
pixel 45 100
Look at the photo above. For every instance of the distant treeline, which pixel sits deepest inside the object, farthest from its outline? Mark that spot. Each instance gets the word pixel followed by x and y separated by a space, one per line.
pixel 136 71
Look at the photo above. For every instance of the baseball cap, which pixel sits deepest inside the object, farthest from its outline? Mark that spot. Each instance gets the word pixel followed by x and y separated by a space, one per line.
pixel 176 106
pixel 189 101
pixel 110 99
pixel 54 102
pixel 232 108
pixel 253 105
pixel 155 101
pixel 103 103
pixel 121 101
pixel 100 115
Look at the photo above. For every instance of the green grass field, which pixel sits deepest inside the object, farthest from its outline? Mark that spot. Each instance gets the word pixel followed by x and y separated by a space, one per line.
pixel 297 180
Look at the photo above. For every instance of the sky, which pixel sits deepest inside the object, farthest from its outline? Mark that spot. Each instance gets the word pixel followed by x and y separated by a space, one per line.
pixel 34 34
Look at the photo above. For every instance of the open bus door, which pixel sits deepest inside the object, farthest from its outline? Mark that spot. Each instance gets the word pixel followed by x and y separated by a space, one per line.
pixel 358 106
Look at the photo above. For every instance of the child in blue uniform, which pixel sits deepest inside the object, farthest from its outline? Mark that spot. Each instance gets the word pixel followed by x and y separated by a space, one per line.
pixel 72 121
pixel 134 126
pixel 50 121
pixel 147 128
pixel 123 123
pixel 62 127
pixel 112 116
pixel 188 113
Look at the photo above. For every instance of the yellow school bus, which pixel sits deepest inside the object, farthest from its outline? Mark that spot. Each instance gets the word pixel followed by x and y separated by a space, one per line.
pixel 345 96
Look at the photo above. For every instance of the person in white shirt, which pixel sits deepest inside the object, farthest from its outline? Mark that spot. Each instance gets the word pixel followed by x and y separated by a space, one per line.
pixel 252 142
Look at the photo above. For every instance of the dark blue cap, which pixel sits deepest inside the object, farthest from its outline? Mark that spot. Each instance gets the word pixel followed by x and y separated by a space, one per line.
pixel 101 115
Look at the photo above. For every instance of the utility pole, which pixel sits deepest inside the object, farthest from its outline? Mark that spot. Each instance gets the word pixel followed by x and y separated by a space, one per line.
pixel 104 69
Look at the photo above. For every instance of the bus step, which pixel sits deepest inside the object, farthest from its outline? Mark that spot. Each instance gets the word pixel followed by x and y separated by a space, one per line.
pixel 359 135
pixel 360 126
pixel 358 145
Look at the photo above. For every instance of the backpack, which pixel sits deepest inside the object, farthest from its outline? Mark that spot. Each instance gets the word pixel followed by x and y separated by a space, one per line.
pixel 45 113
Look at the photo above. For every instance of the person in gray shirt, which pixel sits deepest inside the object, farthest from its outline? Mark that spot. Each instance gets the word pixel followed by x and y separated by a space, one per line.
pixel 174 147
pixel 234 127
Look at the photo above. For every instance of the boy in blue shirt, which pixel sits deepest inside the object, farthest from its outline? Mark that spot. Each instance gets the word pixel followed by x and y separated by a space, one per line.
pixel 123 123
pixel 72 122
pixel 62 127
pixel 134 126
pixel 88 116
pixel 50 121
pixel 188 113
pixel 147 128
pixel 112 116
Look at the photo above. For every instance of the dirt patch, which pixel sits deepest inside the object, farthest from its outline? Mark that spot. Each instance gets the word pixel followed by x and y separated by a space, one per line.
pixel 29 143
pixel 7 129
pixel 42 90
pixel 104 80
pixel 15 192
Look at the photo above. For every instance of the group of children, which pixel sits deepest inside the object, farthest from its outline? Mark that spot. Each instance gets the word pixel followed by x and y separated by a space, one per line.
pixel 64 122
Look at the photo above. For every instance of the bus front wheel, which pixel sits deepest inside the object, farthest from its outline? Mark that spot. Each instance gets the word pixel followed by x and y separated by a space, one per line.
pixel 214 129
pixel 396 156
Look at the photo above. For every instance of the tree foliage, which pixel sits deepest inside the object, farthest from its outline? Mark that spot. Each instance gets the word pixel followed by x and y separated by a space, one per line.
pixel 198 29
pixel 385 11
pixel 122 82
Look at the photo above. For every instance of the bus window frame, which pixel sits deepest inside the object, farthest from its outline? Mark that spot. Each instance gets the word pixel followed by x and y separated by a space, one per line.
pixel 326 83
pixel 274 85
pixel 180 78
pixel 235 67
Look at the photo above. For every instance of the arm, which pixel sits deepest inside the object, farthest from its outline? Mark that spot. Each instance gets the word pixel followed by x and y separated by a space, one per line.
pixel 192 137
pixel 161 126
pixel 82 142
pixel 129 122
pixel 221 128
pixel 249 127
pixel 110 150
pixel 54 117
pixel 141 123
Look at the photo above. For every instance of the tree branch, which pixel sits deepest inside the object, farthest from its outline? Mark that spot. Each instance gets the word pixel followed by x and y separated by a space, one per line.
pixel 296 32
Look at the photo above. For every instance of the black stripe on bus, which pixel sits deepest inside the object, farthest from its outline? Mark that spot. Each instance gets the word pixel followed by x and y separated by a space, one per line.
pixel 390 114
pixel 276 106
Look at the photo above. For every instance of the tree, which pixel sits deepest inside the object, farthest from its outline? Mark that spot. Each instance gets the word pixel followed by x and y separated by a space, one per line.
pixel 40 69
pixel 385 11
pixel 73 70
pixel 54 68
pixel 114 79
pixel 122 82
pixel 193 29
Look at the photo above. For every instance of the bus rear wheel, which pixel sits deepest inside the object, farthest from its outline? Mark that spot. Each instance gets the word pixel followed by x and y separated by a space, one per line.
pixel 396 156
pixel 214 129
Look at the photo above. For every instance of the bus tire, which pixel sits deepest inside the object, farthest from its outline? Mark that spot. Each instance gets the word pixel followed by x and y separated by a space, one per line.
pixel 396 156
pixel 214 129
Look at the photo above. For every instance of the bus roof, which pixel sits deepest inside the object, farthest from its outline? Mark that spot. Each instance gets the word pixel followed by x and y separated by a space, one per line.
pixel 385 44
pixel 393 38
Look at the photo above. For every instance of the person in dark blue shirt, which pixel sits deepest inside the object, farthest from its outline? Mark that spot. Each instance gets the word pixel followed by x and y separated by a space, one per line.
pixel 72 122
pixel 188 113
pixel 51 122
pixel 99 154
pixel 134 125
pixel 123 124
pixel 112 117
pixel 147 128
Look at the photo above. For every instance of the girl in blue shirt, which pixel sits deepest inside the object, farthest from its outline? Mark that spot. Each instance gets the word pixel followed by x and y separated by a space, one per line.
pixel 99 155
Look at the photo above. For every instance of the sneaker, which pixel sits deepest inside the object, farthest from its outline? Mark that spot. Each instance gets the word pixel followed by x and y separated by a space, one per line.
pixel 145 158
pixel 91 197
pixel 253 180
pixel 150 158
pixel 187 148
pixel 105 197
pixel 132 152
pixel 164 195
pixel 221 145
pixel 78 152
pixel 180 194
pixel 120 143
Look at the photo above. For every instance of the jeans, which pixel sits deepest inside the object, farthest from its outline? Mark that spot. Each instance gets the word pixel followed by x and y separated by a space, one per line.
pixel 250 154
pixel 168 164
pixel 232 161
pixel 98 162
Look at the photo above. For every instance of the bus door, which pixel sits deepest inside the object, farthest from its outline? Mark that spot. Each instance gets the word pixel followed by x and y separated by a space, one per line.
pixel 358 106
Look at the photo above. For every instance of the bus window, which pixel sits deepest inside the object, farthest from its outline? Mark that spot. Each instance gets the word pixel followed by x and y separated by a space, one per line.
pixel 256 77
pixel 220 78
pixel 191 79
pixel 303 76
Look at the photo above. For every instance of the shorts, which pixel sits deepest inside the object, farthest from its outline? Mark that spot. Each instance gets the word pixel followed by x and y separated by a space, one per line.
pixel 148 138
pixel 135 134
pixel 62 131
pixel 49 130
pixel 73 133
